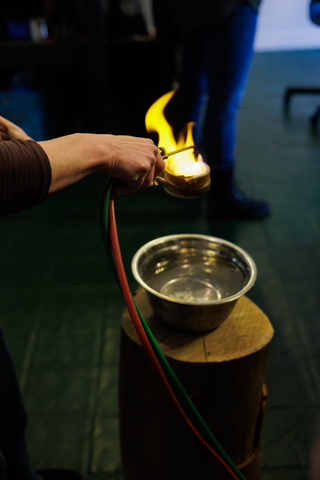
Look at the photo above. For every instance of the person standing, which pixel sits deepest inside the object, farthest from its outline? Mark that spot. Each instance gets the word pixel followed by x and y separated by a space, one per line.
pixel 216 47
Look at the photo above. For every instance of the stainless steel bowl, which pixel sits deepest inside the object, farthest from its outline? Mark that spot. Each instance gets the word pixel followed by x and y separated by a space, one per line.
pixel 193 281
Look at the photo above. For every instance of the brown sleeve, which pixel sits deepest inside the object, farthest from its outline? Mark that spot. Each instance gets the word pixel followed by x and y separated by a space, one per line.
pixel 25 175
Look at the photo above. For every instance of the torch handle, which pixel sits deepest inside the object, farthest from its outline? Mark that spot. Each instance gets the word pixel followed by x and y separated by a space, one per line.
pixel 164 154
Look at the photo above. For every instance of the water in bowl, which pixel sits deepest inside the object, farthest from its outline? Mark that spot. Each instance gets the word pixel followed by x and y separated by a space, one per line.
pixel 199 282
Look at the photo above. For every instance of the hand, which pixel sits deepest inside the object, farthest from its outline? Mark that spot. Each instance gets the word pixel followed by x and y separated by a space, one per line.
pixel 134 161
pixel 9 131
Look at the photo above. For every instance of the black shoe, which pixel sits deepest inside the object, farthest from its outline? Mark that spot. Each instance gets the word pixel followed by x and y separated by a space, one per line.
pixel 225 200
pixel 59 474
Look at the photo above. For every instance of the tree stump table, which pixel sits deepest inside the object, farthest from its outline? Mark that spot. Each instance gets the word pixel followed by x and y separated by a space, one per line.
pixel 223 372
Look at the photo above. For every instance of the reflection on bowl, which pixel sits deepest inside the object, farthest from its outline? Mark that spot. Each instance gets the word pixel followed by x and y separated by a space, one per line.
pixel 193 281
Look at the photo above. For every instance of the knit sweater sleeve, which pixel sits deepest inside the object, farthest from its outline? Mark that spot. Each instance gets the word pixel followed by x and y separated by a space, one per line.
pixel 25 175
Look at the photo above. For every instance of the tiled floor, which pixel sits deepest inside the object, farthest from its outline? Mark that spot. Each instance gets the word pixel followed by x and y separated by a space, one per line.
pixel 61 307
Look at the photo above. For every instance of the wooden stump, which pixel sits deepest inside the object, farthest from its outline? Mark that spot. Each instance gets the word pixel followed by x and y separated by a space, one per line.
pixel 223 373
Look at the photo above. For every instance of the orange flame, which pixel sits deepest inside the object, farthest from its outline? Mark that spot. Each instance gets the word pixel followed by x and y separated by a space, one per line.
pixel 183 163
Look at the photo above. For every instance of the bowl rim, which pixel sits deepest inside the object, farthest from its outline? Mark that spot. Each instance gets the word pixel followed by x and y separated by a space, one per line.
pixel 166 238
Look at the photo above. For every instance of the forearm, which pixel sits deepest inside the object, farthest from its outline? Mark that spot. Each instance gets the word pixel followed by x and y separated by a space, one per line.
pixel 72 158
pixel 34 169
pixel 132 160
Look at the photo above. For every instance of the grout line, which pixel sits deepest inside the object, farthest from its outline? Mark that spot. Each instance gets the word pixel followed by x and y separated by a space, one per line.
pixel 95 395
pixel 33 335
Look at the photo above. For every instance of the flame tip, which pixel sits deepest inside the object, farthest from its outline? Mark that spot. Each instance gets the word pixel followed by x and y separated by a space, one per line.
pixel 184 163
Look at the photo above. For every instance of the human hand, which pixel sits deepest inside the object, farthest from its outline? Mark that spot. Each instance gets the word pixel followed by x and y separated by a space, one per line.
pixel 9 131
pixel 134 161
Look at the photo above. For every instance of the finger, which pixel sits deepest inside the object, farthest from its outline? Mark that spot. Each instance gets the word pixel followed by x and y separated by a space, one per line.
pixel 11 130
pixel 141 180
pixel 132 185
pixel 145 176
pixel 159 166
pixel 3 132
pixel 148 180
pixel 135 178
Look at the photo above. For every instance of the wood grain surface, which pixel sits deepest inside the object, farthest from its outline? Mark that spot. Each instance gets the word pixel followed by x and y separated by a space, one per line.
pixel 246 330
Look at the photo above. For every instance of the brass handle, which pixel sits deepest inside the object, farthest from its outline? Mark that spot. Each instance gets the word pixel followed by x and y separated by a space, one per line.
pixel 164 154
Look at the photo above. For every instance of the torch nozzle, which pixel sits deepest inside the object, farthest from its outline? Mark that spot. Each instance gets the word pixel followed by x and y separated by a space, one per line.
pixel 164 154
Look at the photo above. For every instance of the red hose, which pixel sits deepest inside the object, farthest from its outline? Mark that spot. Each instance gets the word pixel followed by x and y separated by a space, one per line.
pixel 142 335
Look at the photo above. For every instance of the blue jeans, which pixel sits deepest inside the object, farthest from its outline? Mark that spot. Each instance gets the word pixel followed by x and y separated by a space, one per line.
pixel 314 11
pixel 13 419
pixel 214 67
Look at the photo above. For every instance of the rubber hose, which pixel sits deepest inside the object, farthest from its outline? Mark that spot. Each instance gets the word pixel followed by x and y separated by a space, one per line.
pixel 112 246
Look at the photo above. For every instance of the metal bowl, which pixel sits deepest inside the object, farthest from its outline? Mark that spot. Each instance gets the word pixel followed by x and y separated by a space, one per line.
pixel 193 281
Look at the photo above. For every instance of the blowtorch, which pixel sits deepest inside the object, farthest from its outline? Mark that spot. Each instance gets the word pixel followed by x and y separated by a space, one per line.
pixel 184 186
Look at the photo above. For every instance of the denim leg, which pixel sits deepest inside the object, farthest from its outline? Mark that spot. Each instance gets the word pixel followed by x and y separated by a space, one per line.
pixel 13 418
pixel 213 70
pixel 186 104
pixel 228 54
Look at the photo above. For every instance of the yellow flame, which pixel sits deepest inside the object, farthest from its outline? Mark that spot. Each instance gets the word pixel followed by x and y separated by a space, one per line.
pixel 183 163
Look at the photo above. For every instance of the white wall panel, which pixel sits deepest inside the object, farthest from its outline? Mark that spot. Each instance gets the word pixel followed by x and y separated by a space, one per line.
pixel 285 25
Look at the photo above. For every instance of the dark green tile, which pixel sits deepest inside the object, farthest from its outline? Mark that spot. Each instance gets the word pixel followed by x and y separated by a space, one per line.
pixel 303 294
pixel 284 473
pixel 47 245
pixel 290 383
pixel 106 447
pixel 58 442
pixel 107 400
pixel 287 437
pixel 288 232
pixel 23 273
pixel 19 349
pixel 73 308
pixel 75 271
pixel 292 263
pixel 314 367
pixel 248 235
pixel 308 327
pixel 67 346
pixel 18 309
pixel 60 391
pixel 111 345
